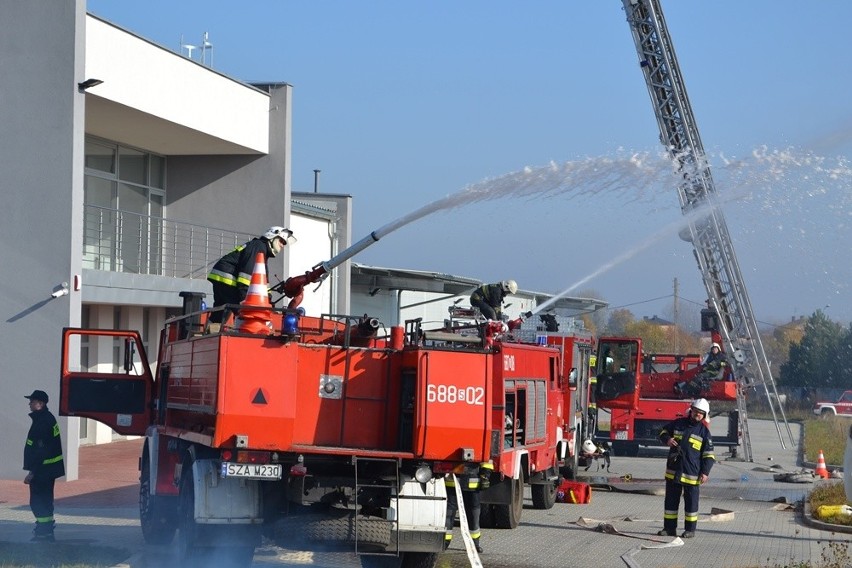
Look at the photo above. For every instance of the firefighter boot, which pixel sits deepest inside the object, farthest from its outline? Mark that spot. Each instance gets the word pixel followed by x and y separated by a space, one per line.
pixel 43 532
pixel 477 546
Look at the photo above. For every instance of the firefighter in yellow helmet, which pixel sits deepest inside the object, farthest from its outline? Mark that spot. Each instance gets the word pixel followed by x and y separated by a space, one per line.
pixel 471 483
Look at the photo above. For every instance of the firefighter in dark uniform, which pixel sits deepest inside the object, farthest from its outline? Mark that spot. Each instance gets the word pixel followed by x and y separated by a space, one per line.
pixel 687 467
pixel 489 297
pixel 471 484
pixel 43 462
pixel 231 275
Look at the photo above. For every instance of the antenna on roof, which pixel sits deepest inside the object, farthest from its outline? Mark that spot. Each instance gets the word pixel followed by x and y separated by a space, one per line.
pixel 205 47
pixel 187 47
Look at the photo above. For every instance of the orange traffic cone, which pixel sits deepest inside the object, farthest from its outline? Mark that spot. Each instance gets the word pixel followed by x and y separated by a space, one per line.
pixel 254 315
pixel 821 470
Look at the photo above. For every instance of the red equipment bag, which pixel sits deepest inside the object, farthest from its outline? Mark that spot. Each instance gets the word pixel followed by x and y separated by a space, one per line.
pixel 573 492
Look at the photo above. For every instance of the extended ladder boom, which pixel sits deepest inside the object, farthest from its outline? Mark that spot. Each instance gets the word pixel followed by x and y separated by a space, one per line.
pixel 708 232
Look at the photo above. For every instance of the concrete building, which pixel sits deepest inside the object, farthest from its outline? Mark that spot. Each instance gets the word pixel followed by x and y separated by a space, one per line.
pixel 127 169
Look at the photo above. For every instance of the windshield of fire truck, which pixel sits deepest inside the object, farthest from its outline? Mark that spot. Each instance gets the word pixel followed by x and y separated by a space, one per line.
pixel 617 356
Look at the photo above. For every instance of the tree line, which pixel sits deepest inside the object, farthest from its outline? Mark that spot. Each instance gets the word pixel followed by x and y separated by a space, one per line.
pixel 809 353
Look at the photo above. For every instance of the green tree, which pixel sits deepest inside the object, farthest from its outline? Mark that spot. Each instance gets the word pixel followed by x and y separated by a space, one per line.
pixel 655 338
pixel 619 319
pixel 594 321
pixel 777 343
pixel 844 358
pixel 815 361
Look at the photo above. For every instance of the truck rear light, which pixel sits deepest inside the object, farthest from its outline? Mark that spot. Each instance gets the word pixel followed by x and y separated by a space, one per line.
pixel 452 467
pixel 298 470
pixel 445 467
pixel 248 456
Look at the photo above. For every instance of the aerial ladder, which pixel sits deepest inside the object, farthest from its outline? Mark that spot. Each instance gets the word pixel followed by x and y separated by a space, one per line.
pixel 707 231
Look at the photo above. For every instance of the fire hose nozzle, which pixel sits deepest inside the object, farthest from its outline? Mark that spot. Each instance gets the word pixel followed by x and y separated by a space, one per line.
pixel 516 323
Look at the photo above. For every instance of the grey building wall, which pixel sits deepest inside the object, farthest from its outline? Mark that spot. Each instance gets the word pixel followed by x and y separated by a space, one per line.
pixel 41 181
pixel 241 193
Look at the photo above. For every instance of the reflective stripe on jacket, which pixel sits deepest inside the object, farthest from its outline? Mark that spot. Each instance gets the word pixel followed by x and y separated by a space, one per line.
pixel 693 455
pixel 235 268
pixel 471 481
pixel 43 449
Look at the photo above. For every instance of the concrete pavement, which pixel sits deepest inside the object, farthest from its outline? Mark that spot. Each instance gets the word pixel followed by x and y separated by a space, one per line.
pixel 101 509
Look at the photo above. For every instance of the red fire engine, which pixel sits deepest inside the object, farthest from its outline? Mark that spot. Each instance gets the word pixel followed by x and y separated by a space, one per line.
pixel 643 392
pixel 279 414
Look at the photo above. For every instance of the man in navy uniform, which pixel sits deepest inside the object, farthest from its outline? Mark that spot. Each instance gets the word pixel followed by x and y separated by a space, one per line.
pixel 43 462
pixel 687 467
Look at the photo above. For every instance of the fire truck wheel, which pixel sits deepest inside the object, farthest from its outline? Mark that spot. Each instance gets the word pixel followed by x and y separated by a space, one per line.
pixel 190 552
pixel 195 555
pixel 486 517
pixel 157 514
pixel 509 516
pixel 543 496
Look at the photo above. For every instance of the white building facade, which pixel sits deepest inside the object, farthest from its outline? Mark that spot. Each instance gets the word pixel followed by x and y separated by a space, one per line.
pixel 127 170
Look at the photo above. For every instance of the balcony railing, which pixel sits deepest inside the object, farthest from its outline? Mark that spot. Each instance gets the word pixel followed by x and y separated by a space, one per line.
pixel 120 241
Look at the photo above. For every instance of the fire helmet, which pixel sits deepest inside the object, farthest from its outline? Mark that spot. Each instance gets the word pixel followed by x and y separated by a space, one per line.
pixel 589 447
pixel 717 346
pixel 284 234
pixel 701 405
pixel 510 286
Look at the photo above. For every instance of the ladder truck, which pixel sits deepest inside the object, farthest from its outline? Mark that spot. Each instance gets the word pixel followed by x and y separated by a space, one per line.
pixel 707 230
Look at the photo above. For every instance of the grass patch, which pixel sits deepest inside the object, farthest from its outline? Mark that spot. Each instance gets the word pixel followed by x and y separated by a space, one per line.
pixel 830 494
pixel 58 555
pixel 828 435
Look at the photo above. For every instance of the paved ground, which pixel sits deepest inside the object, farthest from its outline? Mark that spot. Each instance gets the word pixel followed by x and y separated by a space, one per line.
pixel 101 508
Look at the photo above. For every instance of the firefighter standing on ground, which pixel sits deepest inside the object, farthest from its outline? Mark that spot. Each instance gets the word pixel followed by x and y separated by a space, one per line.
pixel 231 275
pixel 489 297
pixel 687 467
pixel 470 485
pixel 43 462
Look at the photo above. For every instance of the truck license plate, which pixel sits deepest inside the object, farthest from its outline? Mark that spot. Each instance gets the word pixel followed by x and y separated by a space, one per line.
pixel 621 435
pixel 251 470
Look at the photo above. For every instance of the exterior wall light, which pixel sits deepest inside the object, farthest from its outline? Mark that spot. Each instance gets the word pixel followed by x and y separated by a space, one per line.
pixel 88 83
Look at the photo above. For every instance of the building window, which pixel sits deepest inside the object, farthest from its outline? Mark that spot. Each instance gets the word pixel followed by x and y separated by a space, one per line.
pixel 124 196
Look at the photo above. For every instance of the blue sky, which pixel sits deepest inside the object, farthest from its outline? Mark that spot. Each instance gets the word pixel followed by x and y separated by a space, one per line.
pixel 401 104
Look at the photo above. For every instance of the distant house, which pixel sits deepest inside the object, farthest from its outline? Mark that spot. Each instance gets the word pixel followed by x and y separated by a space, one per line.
pixel 659 322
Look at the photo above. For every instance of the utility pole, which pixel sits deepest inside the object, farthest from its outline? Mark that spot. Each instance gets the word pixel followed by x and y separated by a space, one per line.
pixel 675 310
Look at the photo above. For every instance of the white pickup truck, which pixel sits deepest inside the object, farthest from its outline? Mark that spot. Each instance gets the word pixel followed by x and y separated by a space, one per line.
pixel 843 406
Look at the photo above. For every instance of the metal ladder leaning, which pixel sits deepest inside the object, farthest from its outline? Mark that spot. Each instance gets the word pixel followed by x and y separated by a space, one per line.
pixel 706 227
pixel 743 416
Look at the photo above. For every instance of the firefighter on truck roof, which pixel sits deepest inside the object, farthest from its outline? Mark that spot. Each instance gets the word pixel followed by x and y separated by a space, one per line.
pixel 231 275
pixel 489 297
